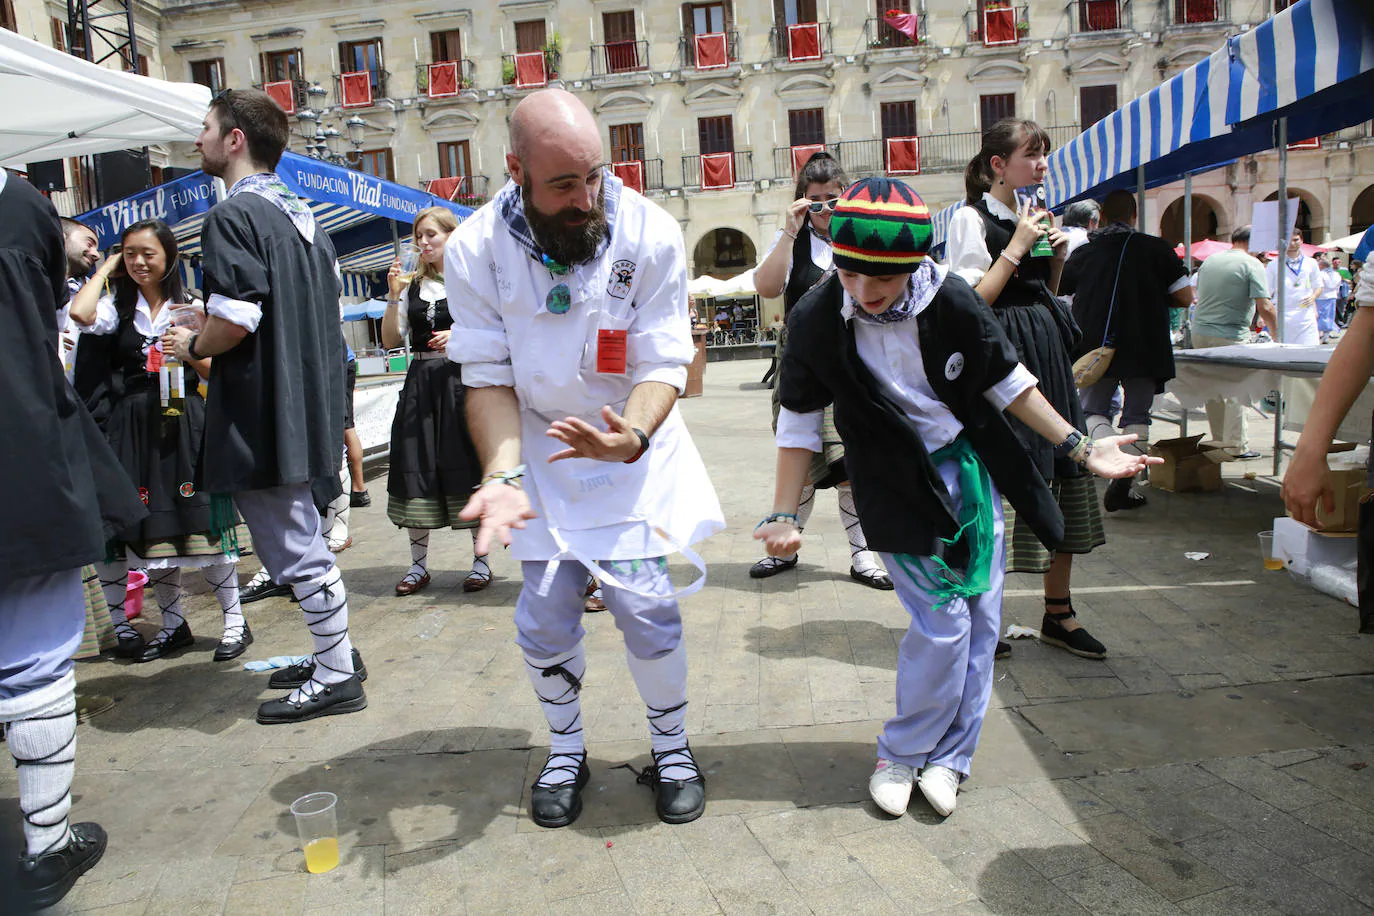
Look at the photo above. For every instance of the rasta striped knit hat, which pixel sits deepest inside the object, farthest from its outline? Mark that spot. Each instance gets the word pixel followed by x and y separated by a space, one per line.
pixel 880 227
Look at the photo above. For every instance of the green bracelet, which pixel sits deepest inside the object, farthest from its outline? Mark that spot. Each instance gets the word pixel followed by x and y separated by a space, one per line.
pixel 510 478
pixel 778 517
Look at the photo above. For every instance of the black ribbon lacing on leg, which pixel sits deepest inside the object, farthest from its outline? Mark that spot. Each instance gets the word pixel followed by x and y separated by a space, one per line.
pixel 677 756
pixel 234 633
pixel 47 761
pixel 411 577
pixel 123 629
pixel 311 621
pixel 159 579
pixel 565 765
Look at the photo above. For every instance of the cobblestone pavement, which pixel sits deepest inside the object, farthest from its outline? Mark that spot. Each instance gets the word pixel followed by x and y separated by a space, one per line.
pixel 1214 763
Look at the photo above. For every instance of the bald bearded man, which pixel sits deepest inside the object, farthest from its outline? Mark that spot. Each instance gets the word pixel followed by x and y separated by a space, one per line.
pixel 569 297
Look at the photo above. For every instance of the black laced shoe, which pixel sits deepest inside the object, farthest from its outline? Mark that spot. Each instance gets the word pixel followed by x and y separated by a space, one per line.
pixel 1120 497
pixel 1002 651
pixel 677 801
pixel 327 700
pixel 1080 642
pixel 129 643
pixel 294 676
pixel 230 648
pixel 46 879
pixel 266 589
pixel 161 646
pixel 558 805
pixel 771 566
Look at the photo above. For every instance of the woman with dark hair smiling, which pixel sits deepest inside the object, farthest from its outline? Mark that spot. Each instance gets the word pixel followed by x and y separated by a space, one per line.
pixel 799 259
pixel 125 379
pixel 992 245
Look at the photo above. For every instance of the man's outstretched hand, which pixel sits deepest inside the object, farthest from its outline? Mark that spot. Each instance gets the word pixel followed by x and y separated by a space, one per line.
pixel 501 507
pixel 617 442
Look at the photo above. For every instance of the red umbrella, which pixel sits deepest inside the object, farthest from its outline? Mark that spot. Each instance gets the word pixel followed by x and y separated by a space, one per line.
pixel 1204 249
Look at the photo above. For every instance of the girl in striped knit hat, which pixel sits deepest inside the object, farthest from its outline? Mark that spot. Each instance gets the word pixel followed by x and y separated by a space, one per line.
pixel 922 379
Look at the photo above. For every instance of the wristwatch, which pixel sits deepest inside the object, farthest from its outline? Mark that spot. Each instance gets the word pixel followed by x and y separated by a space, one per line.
pixel 643 445
pixel 1066 447
pixel 191 347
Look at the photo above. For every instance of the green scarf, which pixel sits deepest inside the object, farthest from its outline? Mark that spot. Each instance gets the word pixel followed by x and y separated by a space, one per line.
pixel 977 524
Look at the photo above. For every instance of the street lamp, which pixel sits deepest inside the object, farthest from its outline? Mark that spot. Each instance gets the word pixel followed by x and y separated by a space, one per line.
pixel 356 131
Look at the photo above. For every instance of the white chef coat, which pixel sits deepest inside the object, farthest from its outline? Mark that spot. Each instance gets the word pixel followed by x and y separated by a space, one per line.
pixel 503 335
pixel 892 352
pixel 1302 278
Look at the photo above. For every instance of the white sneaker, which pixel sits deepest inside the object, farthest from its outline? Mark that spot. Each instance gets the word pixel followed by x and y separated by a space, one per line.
pixel 890 786
pixel 940 786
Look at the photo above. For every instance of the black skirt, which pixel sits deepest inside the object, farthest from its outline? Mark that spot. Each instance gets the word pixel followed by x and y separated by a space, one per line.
pixel 1042 341
pixel 431 452
pixel 159 454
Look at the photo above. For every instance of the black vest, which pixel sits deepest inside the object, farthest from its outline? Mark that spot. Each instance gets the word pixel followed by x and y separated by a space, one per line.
pixel 805 274
pixel 110 366
pixel 901 499
pixel 417 315
pixel 1028 283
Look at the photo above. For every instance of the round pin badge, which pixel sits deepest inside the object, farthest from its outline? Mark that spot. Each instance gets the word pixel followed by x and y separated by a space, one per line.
pixel 143 495
pixel 954 366
pixel 187 490
pixel 559 299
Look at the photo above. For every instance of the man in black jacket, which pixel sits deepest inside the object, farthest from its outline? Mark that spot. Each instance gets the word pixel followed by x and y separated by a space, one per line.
pixel 920 374
pixel 1123 285
pixel 50 526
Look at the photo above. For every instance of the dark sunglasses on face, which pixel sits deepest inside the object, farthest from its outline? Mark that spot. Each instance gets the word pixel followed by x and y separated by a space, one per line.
pixel 817 206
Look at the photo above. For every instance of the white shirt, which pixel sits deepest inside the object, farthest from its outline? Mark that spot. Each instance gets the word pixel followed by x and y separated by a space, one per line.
pixel 966 244
pixel 822 255
pixel 1364 285
pixel 1078 237
pixel 1331 283
pixel 892 352
pixel 504 335
pixel 1302 278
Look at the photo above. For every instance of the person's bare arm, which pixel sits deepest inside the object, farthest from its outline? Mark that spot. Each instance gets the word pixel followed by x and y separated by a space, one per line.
pixel 1182 297
pixel 783 538
pixel 1268 314
pixel 391 318
pixel 770 277
pixel 493 415
pixel 1308 477
pixel 83 303
pixel 647 407
pixel 1105 458
pixel 219 336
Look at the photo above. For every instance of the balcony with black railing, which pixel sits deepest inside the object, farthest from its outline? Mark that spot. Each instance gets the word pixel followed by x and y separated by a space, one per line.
pixel 788 160
pixel 615 57
pixel 1189 15
pixel 1100 17
pixel 649 171
pixel 882 34
pixel 800 43
pixel 703 51
pixel 467 190
pixel 947 152
pixel 445 79
pixel 530 70
pixel 715 177
pixel 998 25
pixel 360 88
pixel 291 95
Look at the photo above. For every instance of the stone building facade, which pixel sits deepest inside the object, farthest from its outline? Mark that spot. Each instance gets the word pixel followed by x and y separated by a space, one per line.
pixel 426 88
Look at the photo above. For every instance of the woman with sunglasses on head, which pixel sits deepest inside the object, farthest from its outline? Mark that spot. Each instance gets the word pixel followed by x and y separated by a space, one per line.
pixel 123 311
pixel 991 246
pixel 801 255
pixel 433 465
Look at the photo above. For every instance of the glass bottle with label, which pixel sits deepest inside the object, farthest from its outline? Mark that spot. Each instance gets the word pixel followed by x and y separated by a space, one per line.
pixel 172 374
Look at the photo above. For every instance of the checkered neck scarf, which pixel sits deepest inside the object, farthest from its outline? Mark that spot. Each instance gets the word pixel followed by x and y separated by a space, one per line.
pixel 511 207
pixel 268 185
pixel 921 288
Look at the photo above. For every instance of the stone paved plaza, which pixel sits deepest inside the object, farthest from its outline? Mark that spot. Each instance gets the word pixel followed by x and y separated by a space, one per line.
pixel 1215 763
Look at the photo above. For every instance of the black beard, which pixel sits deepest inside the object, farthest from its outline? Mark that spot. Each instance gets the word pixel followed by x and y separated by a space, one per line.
pixel 568 245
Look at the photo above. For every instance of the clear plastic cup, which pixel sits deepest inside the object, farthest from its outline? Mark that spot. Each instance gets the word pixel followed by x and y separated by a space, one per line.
pixel 187 316
pixel 1266 539
pixel 410 260
pixel 318 826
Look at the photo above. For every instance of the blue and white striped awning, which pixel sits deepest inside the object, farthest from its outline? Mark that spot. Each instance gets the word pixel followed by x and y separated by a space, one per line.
pixel 1312 63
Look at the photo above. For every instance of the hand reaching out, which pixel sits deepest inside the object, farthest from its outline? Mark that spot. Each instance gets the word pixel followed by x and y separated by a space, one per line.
pixel 1107 459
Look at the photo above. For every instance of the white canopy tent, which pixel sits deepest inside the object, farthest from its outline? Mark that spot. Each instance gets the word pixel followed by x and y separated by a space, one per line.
pixel 54 105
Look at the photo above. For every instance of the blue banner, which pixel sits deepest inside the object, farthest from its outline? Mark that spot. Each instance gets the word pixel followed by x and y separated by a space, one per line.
pixel 333 184
pixel 173 203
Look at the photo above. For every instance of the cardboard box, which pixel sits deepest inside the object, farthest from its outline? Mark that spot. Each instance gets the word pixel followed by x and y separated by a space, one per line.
pixel 1188 465
pixel 1349 484
pixel 1303 549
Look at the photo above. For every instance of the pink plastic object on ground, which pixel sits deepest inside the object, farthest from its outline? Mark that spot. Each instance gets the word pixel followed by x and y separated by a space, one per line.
pixel 133 595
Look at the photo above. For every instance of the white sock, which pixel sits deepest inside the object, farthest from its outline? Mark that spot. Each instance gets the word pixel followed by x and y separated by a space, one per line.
pixel 224 579
pixel 43 744
pixel 114 585
pixel 419 553
pixel 662 684
pixel 325 605
pixel 557 683
pixel 260 578
pixel 479 564
pixel 860 557
pixel 167 587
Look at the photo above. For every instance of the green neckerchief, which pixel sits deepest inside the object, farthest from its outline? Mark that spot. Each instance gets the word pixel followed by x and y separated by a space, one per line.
pixel 977 525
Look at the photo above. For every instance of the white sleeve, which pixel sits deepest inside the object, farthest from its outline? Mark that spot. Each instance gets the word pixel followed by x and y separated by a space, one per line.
pixel 246 315
pixel 659 346
pixel 777 240
pixel 1180 283
pixel 966 247
pixel 800 430
pixel 1017 383
pixel 1364 285
pixel 106 318
pixel 478 342
pixel 1271 278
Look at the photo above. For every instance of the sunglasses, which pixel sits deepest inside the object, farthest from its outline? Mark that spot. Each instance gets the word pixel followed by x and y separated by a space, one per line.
pixel 819 206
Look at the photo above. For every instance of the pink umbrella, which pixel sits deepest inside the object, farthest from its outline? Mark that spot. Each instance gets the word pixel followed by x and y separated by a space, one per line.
pixel 1310 251
pixel 1204 249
